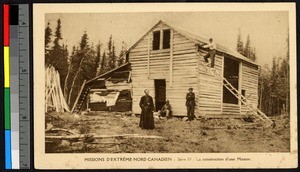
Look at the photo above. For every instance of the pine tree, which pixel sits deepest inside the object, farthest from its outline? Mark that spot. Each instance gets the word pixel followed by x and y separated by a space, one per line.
pixel 58 35
pixel 121 59
pixel 48 34
pixel 86 66
pixel 58 55
pixel 274 87
pixel 111 59
pixel 273 83
pixel 76 82
pixel 247 49
pixel 252 54
pixel 103 63
pixel 240 44
pixel 98 56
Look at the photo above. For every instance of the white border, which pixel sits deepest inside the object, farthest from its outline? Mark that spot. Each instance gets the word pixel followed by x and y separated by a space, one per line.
pixel 76 161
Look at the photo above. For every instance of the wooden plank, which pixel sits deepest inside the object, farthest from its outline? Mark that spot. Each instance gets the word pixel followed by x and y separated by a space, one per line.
pixel 184 52
pixel 148 58
pixel 240 84
pixel 161 37
pixel 222 73
pixel 171 58
pixel 160 52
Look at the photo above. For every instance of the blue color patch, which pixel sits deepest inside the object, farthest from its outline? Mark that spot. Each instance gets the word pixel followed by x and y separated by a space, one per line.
pixel 8 163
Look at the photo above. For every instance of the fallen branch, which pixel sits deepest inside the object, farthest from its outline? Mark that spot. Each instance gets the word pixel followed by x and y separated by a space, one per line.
pixel 81 136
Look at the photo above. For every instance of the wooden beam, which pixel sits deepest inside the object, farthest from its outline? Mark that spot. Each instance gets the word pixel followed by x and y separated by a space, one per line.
pixel 148 57
pixel 240 85
pixel 161 37
pixel 222 73
pixel 171 57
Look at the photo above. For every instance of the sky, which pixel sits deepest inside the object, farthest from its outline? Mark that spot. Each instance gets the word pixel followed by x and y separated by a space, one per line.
pixel 268 30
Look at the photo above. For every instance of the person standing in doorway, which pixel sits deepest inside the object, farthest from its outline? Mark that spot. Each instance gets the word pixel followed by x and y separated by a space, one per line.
pixel 147 106
pixel 190 104
pixel 212 52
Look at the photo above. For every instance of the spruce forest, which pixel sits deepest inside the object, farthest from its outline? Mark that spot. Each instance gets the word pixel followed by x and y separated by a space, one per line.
pixel 86 60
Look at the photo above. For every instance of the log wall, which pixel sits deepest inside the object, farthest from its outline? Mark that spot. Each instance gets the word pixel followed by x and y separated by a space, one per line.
pixel 250 84
pixel 177 67
pixel 181 67
pixel 210 87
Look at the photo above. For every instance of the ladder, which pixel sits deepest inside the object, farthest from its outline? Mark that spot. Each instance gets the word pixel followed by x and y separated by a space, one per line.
pixel 253 110
pixel 80 98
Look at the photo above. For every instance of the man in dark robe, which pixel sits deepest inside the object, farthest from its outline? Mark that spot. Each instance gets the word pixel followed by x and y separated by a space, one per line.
pixel 190 104
pixel 146 104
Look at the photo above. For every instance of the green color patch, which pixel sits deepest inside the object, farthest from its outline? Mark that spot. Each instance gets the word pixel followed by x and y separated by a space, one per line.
pixel 7 108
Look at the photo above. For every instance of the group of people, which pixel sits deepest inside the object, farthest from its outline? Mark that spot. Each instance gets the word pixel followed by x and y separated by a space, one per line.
pixel 147 106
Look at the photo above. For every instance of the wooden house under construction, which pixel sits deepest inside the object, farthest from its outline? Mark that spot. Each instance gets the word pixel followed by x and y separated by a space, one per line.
pixel 166 61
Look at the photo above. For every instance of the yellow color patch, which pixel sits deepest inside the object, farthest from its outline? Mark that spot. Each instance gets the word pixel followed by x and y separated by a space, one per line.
pixel 6 67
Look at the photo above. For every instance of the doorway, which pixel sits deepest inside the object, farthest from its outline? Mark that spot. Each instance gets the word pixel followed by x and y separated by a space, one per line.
pixel 231 73
pixel 160 93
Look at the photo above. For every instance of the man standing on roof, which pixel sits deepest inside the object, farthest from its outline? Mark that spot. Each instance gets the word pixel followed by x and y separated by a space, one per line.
pixel 212 52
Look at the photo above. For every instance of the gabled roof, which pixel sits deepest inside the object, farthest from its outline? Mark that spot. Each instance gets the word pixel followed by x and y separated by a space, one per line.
pixel 197 39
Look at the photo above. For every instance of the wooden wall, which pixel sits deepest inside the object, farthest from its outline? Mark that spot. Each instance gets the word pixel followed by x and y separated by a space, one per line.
pixel 250 84
pixel 138 58
pixel 210 88
pixel 181 67
pixel 177 67
pixel 184 73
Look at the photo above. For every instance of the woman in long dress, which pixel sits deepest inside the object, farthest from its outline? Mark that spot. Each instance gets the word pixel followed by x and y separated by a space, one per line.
pixel 147 106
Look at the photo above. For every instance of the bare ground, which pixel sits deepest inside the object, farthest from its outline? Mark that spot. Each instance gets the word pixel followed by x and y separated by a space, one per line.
pixel 180 136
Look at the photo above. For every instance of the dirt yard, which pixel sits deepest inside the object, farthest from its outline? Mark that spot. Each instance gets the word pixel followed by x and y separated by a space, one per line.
pixel 176 134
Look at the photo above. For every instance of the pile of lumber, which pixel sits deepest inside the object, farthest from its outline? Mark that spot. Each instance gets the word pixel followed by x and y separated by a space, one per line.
pixel 54 97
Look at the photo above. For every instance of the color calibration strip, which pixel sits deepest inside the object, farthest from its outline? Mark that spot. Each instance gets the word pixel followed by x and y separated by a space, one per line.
pixel 16 86
pixel 14 83
pixel 7 126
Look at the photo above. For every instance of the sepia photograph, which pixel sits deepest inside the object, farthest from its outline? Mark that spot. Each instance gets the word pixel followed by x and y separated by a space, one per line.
pixel 166 82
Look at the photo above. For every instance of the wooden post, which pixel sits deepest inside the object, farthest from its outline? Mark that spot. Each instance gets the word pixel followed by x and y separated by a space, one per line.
pixel 171 58
pixel 148 57
pixel 161 37
pixel 222 73
pixel 240 85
